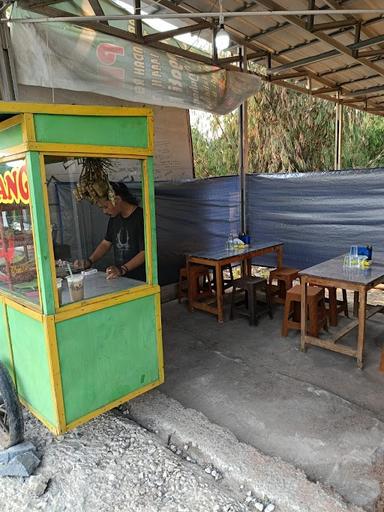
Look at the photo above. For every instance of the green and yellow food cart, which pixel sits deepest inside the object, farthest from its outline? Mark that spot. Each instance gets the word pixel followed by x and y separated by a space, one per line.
pixel 72 359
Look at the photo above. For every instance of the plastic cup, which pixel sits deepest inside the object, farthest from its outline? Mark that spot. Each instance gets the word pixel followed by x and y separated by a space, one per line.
pixel 353 253
pixel 59 284
pixel 76 287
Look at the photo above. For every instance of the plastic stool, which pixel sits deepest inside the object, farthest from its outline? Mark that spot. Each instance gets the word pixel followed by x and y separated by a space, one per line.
pixel 250 285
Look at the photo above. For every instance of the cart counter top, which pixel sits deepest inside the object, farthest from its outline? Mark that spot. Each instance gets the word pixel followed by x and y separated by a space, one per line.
pixel 96 285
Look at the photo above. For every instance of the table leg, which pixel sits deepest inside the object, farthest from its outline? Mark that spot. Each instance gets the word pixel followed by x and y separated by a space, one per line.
pixel 304 316
pixel 219 293
pixel 190 287
pixel 361 328
pixel 249 267
pixel 332 293
pixel 279 254
pixel 355 303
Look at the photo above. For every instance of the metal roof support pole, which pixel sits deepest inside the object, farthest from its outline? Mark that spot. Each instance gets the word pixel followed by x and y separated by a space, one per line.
pixel 138 23
pixel 243 136
pixel 8 83
pixel 338 132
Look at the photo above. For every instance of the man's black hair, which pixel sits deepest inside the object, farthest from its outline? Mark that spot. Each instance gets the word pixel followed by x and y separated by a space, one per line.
pixel 123 191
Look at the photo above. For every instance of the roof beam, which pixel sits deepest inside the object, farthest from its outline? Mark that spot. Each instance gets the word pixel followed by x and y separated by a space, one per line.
pixel 288 76
pixel 97 9
pixel 367 90
pixel 176 32
pixel 125 35
pixel 333 24
pixel 325 90
pixel 298 22
pixel 365 78
pixel 304 61
pixel 367 42
pixel 307 44
pixel 371 53
pixel 334 4
pixel 238 37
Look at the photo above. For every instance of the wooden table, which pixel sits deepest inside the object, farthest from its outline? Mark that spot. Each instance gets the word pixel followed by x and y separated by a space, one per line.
pixel 218 259
pixel 333 273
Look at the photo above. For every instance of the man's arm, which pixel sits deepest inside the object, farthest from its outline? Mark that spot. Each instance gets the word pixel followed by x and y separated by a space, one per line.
pixel 136 261
pixel 97 254
pixel 100 251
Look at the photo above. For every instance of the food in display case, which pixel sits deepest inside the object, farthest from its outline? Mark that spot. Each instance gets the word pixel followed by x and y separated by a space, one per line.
pixel 17 257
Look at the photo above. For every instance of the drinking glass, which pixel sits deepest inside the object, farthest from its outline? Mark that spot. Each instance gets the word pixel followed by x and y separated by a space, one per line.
pixel 353 251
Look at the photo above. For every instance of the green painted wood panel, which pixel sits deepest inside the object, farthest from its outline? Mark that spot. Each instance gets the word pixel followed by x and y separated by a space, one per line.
pixel 107 354
pixel 101 131
pixel 40 231
pixel 11 137
pixel 5 356
pixel 31 363
pixel 152 208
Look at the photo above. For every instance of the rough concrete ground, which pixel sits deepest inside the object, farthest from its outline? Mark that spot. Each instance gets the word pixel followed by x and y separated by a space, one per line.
pixel 179 463
pixel 112 464
pixel 315 410
pixel 241 466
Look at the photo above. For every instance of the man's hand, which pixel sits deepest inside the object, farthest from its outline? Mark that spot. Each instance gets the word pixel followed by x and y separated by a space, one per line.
pixel 113 272
pixel 82 264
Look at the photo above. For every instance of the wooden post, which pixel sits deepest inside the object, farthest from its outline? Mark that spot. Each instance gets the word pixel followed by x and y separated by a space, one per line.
pixel 243 160
pixel 338 132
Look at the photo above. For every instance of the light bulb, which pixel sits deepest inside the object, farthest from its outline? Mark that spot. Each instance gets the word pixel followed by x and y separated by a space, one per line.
pixel 222 39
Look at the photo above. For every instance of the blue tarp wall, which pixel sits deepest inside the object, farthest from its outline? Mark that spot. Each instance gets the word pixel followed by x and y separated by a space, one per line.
pixel 316 215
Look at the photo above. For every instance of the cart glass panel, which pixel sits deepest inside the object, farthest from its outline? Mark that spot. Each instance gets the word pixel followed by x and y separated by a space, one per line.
pixel 98 246
pixel 18 274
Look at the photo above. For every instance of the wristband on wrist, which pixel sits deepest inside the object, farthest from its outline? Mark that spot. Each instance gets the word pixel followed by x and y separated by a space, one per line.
pixel 89 263
pixel 123 269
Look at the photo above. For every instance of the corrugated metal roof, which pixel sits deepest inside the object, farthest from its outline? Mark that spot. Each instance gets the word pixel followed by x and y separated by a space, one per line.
pixel 339 57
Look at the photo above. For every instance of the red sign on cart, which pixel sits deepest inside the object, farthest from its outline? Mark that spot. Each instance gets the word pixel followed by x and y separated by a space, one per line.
pixel 14 186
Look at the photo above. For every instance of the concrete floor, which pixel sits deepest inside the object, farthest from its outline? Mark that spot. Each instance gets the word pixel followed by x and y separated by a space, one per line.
pixel 316 410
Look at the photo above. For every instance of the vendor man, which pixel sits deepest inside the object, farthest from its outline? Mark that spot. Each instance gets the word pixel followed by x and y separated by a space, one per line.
pixel 125 233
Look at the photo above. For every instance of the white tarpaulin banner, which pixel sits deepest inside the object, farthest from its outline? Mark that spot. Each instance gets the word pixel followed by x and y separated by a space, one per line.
pixel 65 56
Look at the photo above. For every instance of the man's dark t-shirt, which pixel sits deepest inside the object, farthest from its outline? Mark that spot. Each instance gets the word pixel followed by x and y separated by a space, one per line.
pixel 126 234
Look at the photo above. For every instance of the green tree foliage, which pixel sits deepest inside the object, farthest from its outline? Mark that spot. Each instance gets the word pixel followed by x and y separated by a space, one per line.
pixel 288 132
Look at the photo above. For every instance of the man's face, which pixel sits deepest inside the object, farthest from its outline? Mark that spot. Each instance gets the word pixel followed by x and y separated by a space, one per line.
pixel 110 209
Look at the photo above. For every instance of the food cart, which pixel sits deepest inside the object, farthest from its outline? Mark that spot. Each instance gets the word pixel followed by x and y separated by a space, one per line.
pixel 72 357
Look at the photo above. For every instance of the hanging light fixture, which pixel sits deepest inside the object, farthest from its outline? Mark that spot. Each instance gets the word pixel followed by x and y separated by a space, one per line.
pixel 222 39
